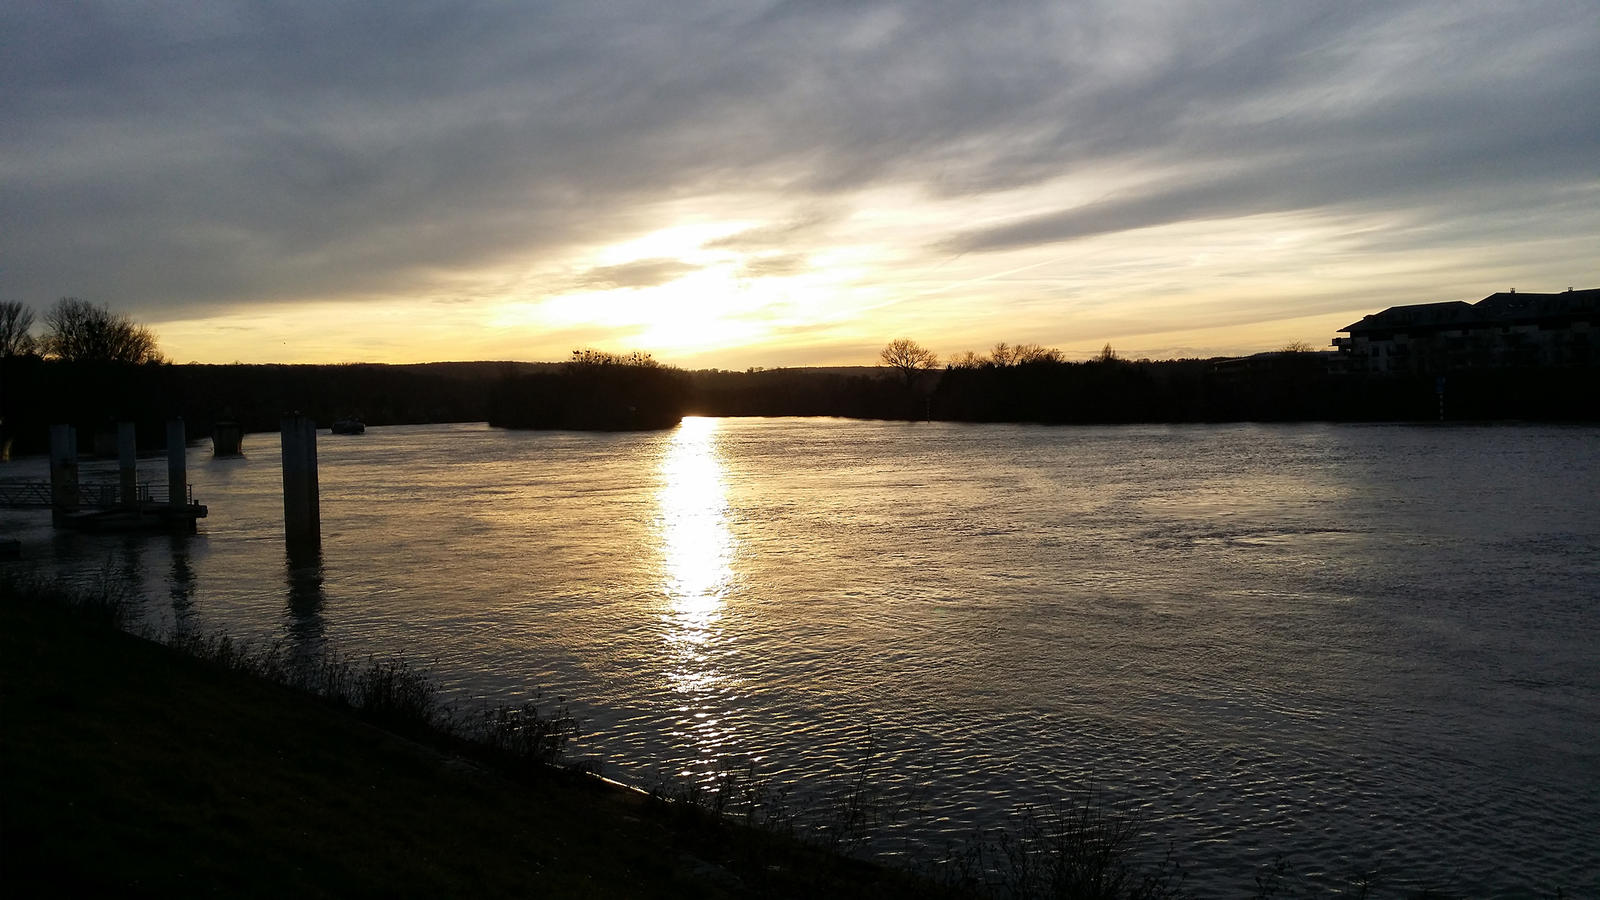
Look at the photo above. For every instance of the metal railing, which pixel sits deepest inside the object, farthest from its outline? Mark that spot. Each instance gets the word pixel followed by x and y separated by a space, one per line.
pixel 37 494
pixel 15 494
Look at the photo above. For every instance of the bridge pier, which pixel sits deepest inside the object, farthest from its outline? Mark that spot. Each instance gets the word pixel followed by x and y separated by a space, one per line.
pixel 177 464
pixel 302 516
pixel 63 473
pixel 127 465
pixel 227 439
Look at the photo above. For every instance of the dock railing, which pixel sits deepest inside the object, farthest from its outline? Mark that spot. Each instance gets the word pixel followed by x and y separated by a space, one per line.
pixel 21 494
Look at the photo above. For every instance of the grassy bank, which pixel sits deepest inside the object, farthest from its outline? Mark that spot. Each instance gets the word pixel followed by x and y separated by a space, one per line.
pixel 129 768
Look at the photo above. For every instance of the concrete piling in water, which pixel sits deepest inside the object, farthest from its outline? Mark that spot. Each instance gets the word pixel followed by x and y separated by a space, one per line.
pixel 227 439
pixel 63 473
pixel 127 465
pixel 177 470
pixel 302 517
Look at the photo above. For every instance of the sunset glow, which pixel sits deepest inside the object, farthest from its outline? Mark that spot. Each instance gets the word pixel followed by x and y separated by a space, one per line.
pixel 782 188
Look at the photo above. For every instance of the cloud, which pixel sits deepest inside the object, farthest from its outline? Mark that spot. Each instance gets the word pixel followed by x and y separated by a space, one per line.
pixel 806 225
pixel 641 273
pixel 189 159
pixel 778 265
pixel 1376 120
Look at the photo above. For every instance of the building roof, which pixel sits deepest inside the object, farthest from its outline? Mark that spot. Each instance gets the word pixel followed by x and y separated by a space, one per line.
pixel 1427 314
pixel 1495 309
pixel 1510 306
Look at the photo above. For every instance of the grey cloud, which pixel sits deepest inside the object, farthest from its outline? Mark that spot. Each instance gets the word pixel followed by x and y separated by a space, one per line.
pixel 785 264
pixel 193 156
pixel 1419 176
pixel 1430 153
pixel 642 273
pixel 780 235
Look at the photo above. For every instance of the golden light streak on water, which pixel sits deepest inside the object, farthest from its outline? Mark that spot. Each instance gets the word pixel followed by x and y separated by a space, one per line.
pixel 697 570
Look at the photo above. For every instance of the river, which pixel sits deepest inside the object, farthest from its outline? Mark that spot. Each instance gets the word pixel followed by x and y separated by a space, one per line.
pixel 1360 648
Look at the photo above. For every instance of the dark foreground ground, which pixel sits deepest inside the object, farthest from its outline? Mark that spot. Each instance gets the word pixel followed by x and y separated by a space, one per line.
pixel 129 769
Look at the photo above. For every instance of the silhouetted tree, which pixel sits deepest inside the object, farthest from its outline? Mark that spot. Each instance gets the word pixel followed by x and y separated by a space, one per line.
pixel 595 391
pixel 1004 356
pixel 80 331
pixel 591 357
pixel 15 321
pixel 909 357
pixel 1027 354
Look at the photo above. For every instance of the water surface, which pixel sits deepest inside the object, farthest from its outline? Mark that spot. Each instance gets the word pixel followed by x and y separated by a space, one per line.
pixel 1360 647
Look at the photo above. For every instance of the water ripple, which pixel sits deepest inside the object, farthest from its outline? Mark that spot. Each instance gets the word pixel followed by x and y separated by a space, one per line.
pixel 1360 648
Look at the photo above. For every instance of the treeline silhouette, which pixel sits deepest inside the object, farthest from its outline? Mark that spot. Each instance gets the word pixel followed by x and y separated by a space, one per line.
pixel 1112 390
pixel 863 393
pixel 594 391
pixel 1043 388
pixel 1281 387
pixel 613 392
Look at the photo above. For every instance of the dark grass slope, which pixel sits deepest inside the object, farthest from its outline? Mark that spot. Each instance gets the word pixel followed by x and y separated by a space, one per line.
pixel 127 768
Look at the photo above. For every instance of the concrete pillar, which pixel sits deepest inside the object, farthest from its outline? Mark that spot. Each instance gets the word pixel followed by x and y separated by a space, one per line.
pixel 63 472
pixel 177 470
pixel 128 464
pixel 227 439
pixel 302 516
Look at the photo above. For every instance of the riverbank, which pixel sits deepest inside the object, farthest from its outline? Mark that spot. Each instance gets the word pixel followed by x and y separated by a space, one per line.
pixel 127 768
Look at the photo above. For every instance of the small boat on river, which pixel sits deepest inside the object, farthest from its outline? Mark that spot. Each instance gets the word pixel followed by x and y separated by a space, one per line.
pixel 349 425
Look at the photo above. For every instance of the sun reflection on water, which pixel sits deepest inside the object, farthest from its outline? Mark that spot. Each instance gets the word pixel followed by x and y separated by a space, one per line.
pixel 697 572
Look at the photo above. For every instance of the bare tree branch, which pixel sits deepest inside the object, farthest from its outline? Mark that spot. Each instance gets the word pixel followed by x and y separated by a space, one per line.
pixel 80 331
pixel 909 357
pixel 15 321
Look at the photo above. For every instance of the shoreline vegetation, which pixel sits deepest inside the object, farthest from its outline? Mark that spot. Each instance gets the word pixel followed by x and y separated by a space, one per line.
pixel 130 766
pixel 596 390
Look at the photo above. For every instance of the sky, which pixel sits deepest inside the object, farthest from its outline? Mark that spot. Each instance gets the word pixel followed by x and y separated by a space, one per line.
pixel 736 184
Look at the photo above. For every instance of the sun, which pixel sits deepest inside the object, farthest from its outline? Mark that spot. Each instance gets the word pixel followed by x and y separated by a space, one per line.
pixel 712 294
